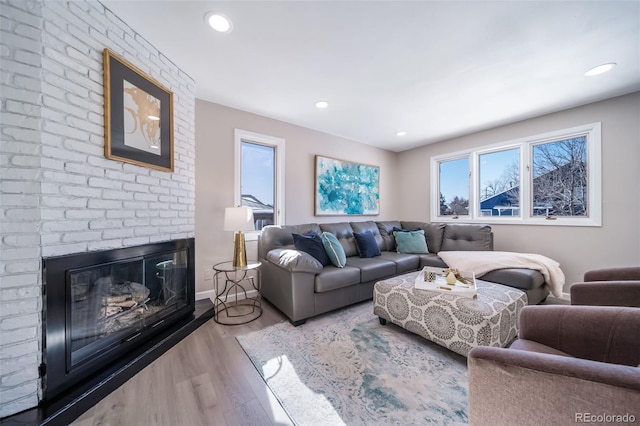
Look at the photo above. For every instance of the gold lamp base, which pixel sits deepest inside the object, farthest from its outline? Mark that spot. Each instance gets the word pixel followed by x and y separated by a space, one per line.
pixel 239 251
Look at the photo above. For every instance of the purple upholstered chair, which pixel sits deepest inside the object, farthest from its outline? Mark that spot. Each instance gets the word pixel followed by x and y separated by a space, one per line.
pixel 608 287
pixel 569 362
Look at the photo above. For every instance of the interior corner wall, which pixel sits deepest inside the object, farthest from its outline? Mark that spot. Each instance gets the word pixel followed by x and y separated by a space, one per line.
pixel 59 194
pixel 578 249
pixel 215 126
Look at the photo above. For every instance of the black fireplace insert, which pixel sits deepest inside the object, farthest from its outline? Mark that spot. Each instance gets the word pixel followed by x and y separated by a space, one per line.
pixel 101 305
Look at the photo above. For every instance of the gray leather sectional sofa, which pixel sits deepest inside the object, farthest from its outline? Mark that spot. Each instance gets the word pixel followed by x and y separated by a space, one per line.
pixel 301 287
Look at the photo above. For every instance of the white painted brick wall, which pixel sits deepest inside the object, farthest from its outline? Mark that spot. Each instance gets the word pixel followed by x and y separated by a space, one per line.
pixel 20 124
pixel 59 194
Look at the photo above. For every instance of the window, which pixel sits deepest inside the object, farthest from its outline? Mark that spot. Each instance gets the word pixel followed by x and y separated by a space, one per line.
pixel 550 179
pixel 259 177
pixel 560 178
pixel 454 187
pixel 499 178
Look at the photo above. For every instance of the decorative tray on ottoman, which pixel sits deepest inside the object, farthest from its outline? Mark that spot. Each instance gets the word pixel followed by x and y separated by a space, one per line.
pixel 449 280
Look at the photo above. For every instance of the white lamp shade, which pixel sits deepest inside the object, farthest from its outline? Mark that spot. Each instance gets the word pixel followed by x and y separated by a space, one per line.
pixel 238 219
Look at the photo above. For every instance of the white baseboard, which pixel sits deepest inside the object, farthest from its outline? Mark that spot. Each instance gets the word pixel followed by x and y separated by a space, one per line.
pixel 211 294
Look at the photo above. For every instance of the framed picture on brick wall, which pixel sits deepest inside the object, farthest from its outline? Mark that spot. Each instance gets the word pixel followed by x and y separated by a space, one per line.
pixel 138 116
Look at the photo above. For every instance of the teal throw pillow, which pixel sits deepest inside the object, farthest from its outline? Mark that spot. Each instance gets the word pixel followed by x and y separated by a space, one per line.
pixel 334 249
pixel 411 242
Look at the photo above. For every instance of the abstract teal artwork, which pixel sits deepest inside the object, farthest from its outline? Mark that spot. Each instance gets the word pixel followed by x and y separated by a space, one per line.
pixel 346 188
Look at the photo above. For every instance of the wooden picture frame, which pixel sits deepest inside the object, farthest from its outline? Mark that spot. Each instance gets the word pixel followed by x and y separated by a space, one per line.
pixel 345 188
pixel 138 116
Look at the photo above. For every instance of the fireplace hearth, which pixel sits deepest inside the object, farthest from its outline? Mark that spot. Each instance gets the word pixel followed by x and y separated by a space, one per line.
pixel 106 316
pixel 99 305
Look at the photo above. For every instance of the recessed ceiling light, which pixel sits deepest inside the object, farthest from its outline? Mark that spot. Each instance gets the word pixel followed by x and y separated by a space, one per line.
pixel 322 104
pixel 401 133
pixel 600 69
pixel 218 22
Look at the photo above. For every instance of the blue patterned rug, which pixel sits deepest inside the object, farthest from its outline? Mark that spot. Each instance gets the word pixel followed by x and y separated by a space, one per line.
pixel 344 368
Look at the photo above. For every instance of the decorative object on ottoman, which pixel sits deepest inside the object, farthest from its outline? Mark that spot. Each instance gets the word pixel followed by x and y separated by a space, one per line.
pixel 429 276
pixel 455 322
pixel 460 283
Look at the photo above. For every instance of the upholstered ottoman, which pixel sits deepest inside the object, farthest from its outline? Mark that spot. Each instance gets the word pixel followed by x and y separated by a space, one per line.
pixel 455 322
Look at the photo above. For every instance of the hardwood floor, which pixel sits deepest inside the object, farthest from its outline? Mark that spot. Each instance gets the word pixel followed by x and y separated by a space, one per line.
pixel 206 379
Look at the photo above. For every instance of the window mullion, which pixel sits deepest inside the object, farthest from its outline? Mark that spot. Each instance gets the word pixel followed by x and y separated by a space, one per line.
pixel 525 181
pixel 474 184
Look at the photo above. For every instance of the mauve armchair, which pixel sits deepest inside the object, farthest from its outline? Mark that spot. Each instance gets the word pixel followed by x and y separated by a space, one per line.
pixel 608 287
pixel 570 362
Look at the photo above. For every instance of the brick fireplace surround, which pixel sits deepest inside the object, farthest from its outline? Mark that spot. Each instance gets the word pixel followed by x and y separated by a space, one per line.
pixel 58 193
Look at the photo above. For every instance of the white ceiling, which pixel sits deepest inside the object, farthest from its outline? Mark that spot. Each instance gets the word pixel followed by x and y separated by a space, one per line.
pixel 435 69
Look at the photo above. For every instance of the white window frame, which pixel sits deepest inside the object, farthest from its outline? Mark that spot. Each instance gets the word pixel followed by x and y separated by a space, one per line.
pixel 594 166
pixel 475 182
pixel 435 169
pixel 266 140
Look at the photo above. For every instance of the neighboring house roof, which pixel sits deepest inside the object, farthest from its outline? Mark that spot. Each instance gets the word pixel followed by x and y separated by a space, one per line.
pixel 257 205
pixel 499 199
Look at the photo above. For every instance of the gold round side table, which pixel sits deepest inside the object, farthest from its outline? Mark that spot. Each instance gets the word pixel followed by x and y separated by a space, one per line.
pixel 234 304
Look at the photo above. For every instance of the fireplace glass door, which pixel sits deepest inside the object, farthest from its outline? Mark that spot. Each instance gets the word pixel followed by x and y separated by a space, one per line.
pixel 113 302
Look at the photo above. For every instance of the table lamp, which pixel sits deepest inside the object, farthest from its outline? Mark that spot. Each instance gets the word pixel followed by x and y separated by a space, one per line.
pixel 239 219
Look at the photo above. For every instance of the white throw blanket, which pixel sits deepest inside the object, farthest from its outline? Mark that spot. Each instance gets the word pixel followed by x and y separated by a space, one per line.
pixel 481 262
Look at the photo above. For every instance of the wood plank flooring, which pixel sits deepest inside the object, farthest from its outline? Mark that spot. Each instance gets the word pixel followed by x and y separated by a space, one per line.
pixel 206 379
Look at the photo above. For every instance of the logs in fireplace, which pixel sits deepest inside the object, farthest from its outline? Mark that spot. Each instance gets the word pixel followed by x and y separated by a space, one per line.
pixel 101 305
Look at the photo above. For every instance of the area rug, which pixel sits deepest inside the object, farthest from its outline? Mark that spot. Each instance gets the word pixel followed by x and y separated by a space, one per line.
pixel 344 368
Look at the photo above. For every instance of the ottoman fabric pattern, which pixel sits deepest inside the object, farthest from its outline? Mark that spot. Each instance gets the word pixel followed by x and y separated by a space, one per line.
pixel 455 322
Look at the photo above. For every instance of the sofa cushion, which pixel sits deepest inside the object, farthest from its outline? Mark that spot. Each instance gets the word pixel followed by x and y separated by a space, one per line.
pixel 411 241
pixel 312 243
pixel 404 262
pixel 524 279
pixel 332 278
pixel 433 232
pixel 367 245
pixel 386 233
pixel 531 346
pixel 368 226
pixel 372 269
pixel 344 233
pixel 334 249
pixel 432 260
pixel 464 237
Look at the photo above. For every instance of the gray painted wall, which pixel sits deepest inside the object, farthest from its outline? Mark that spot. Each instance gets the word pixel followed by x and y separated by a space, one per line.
pixel 215 126
pixel 578 249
